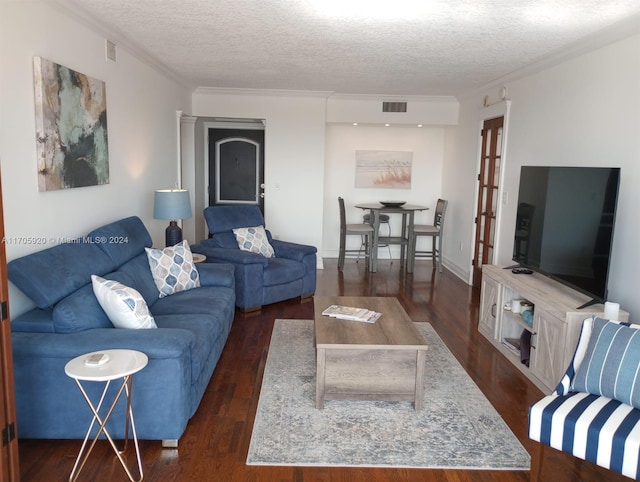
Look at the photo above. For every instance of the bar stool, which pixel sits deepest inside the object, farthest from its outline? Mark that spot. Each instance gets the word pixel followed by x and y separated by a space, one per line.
pixel 435 231
pixel 384 219
pixel 363 230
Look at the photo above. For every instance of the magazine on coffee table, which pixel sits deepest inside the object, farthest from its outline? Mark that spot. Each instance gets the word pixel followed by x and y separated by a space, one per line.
pixel 352 313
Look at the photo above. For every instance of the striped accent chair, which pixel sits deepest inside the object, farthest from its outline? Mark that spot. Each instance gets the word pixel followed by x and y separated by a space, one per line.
pixel 594 412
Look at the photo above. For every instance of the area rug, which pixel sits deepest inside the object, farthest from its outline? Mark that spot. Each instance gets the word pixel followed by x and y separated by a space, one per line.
pixel 457 428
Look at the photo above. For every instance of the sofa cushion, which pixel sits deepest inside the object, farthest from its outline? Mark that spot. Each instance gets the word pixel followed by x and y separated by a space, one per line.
pixel 81 311
pixel 610 365
pixel 33 321
pixel 206 330
pixel 202 301
pixel 124 306
pixel 122 240
pixel 48 276
pixel 254 239
pixel 139 274
pixel 173 269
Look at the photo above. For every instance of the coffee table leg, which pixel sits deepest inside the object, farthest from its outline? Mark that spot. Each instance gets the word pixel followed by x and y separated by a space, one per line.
pixel 419 396
pixel 320 377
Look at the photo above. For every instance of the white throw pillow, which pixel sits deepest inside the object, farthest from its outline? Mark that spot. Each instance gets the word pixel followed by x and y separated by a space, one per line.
pixel 173 269
pixel 124 306
pixel 255 240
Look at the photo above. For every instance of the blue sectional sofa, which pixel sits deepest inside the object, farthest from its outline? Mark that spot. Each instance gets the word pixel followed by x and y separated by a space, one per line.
pixel 260 280
pixel 68 321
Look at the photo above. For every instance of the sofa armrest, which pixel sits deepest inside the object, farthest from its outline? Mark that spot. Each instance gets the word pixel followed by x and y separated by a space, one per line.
pixel 155 343
pixel 49 406
pixel 294 251
pixel 227 255
pixel 216 274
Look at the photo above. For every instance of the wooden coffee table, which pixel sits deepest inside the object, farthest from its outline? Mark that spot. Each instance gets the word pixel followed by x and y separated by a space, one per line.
pixel 384 360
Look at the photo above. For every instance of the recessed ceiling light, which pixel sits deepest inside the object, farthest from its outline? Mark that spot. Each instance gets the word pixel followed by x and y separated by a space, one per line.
pixel 419 125
pixel 355 123
pixel 387 125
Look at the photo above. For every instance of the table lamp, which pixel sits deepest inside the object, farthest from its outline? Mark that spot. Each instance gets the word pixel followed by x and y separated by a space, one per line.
pixel 172 204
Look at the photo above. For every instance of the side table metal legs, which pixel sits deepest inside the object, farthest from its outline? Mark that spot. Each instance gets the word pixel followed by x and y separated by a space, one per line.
pixel 82 456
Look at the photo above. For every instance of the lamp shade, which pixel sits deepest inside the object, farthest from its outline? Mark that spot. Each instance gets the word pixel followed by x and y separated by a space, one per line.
pixel 171 204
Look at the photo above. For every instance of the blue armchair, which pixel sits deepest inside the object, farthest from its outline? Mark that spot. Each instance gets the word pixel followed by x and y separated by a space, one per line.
pixel 259 280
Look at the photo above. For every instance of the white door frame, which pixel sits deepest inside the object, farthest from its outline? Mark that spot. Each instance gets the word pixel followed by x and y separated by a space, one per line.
pixel 499 109
pixel 247 124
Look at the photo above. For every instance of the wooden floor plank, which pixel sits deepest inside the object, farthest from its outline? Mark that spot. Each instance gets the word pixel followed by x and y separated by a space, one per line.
pixel 215 444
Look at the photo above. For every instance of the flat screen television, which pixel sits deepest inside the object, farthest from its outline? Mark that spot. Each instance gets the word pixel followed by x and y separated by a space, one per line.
pixel 564 225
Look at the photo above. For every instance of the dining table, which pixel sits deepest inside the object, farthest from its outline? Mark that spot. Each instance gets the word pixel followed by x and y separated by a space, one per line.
pixel 406 235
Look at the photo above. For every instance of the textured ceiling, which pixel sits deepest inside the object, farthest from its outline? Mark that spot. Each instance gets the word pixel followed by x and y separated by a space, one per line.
pixel 446 47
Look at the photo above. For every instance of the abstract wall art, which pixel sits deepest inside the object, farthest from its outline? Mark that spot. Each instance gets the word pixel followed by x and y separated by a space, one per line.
pixel 384 169
pixel 71 127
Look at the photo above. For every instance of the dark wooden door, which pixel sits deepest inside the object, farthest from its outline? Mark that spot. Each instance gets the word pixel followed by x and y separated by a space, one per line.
pixel 489 178
pixel 236 166
pixel 9 467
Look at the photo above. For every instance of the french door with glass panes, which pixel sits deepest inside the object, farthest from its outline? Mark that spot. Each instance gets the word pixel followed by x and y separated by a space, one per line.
pixel 488 183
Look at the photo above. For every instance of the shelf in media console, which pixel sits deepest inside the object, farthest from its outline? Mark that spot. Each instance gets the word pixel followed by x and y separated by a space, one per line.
pixel 543 290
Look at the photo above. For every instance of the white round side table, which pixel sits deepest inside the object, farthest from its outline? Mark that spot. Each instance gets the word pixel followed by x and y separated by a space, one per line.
pixel 120 364
pixel 198 258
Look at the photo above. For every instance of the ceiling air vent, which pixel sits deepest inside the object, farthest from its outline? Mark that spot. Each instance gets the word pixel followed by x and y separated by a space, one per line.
pixel 394 107
pixel 110 50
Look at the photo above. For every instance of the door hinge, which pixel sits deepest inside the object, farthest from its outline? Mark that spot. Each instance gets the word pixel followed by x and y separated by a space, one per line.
pixel 5 311
pixel 8 434
pixel 478 177
pixel 475 220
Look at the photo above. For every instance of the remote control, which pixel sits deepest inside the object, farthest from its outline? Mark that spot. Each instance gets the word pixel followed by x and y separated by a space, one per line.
pixel 522 271
pixel 96 359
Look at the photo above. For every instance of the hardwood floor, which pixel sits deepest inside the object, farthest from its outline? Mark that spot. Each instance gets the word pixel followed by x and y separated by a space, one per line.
pixel 215 444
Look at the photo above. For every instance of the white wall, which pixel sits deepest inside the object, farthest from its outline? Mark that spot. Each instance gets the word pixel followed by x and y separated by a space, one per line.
pixel 581 112
pixel 460 185
pixel 425 110
pixel 294 157
pixel 427 146
pixel 584 111
pixel 141 116
pixel 301 201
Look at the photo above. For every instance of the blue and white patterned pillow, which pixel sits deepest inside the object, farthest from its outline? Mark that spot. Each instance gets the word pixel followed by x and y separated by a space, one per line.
pixel 611 365
pixel 254 239
pixel 173 268
pixel 124 306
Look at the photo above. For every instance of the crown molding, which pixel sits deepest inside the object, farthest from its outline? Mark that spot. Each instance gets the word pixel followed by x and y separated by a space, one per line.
pixel 75 10
pixel 322 94
pixel 262 92
pixel 616 32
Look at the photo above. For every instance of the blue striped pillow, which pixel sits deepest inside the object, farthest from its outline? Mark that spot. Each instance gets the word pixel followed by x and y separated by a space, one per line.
pixel 611 366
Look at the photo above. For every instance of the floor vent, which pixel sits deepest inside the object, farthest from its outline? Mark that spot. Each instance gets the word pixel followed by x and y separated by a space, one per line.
pixel 394 107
